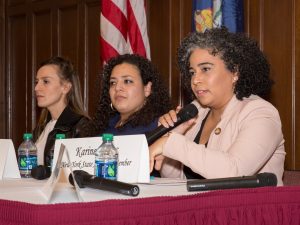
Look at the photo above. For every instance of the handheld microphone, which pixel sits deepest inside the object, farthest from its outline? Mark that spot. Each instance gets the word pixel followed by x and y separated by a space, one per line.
pixel 186 113
pixel 259 180
pixel 40 172
pixel 84 179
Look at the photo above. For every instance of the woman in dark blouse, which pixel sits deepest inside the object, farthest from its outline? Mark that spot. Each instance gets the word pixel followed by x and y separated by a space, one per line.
pixel 132 97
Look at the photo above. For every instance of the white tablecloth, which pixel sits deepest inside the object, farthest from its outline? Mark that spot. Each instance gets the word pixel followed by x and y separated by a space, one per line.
pixel 30 190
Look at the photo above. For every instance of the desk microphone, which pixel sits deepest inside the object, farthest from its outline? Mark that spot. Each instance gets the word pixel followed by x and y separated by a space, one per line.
pixel 259 180
pixel 84 179
pixel 40 172
pixel 186 113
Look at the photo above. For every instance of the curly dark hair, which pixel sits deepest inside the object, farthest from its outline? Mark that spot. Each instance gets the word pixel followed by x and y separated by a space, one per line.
pixel 158 102
pixel 240 54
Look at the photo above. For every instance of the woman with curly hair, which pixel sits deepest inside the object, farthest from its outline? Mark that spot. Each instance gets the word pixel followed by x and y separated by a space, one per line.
pixel 133 97
pixel 236 132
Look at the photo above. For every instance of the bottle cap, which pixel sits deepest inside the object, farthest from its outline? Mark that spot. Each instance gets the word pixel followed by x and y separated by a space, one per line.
pixel 60 136
pixel 27 136
pixel 107 137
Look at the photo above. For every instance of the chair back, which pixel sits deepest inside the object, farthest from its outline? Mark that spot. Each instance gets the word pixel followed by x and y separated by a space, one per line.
pixel 291 177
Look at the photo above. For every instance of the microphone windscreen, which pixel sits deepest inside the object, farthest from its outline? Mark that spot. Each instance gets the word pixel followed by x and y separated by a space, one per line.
pixel 188 112
pixel 40 172
pixel 71 180
pixel 267 179
pixel 78 177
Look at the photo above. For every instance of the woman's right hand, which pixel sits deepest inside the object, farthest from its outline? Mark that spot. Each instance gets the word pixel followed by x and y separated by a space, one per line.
pixel 168 120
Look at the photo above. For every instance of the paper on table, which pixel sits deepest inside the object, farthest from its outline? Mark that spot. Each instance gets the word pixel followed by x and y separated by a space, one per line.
pixel 23 190
pixel 31 190
pixel 48 188
pixel 77 189
pixel 8 161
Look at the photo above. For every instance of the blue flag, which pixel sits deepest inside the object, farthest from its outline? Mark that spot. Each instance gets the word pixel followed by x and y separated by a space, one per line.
pixel 233 15
pixel 215 13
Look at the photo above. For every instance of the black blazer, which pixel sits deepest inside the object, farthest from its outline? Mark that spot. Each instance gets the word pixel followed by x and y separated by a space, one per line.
pixel 69 123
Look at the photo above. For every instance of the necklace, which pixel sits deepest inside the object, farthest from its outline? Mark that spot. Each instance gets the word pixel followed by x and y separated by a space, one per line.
pixel 120 123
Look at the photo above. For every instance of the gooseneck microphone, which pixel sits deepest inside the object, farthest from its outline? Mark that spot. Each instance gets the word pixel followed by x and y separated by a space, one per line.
pixel 186 113
pixel 84 179
pixel 259 180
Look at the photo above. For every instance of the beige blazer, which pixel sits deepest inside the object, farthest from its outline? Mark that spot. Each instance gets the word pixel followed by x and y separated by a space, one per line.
pixel 250 142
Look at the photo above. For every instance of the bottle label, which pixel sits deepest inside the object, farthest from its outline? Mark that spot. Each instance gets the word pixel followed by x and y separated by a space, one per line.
pixel 106 169
pixel 27 162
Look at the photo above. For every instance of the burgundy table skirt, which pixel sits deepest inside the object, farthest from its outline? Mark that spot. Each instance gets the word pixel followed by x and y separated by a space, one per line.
pixel 268 205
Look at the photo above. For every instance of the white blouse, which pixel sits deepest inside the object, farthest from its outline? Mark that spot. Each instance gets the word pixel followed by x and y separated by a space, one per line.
pixel 41 141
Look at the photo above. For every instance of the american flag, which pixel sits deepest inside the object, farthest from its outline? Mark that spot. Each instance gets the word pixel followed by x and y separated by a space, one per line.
pixel 123 28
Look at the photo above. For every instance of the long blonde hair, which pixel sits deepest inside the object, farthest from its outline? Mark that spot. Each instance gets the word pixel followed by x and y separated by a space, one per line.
pixel 65 72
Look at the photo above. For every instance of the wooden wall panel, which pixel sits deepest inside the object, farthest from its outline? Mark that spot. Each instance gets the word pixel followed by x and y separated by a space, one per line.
pixel 42 37
pixel 279 50
pixel 296 81
pixel 272 24
pixel 252 13
pixel 15 2
pixel 174 40
pixel 68 32
pixel 159 37
pixel 68 36
pixel 19 99
pixel 2 71
pixel 36 31
pixel 169 22
pixel 93 67
pixel 41 49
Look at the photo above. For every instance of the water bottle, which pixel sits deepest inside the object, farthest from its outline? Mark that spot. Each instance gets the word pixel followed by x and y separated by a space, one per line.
pixel 27 156
pixel 106 159
pixel 50 156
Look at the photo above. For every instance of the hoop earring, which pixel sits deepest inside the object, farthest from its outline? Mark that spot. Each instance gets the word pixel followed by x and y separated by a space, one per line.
pixel 112 107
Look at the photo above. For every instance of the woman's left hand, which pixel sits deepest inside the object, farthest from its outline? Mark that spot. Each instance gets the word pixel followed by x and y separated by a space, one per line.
pixel 155 153
pixel 158 162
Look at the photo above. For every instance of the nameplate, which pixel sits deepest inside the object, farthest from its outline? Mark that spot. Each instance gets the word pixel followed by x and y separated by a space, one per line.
pixel 48 188
pixel 133 166
pixel 8 162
